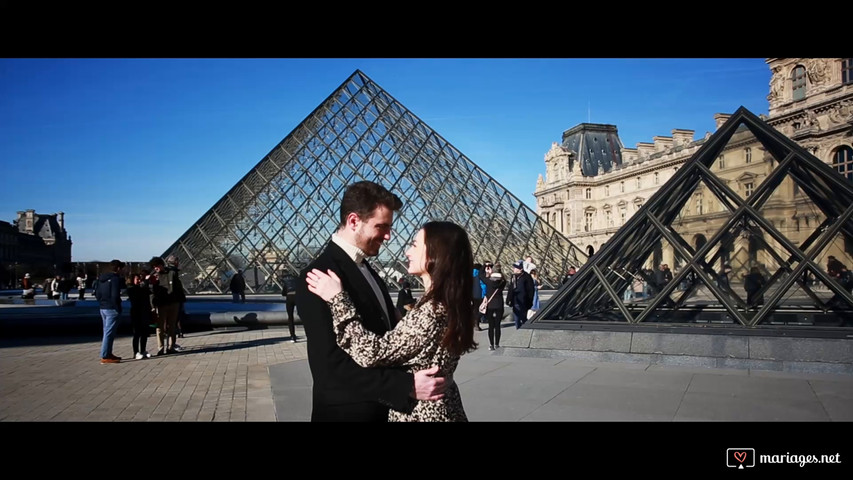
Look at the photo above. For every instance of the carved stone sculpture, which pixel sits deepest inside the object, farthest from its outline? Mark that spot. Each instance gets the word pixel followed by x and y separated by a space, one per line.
pixel 777 85
pixel 818 71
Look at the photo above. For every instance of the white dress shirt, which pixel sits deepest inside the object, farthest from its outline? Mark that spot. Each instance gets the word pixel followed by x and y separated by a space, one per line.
pixel 358 256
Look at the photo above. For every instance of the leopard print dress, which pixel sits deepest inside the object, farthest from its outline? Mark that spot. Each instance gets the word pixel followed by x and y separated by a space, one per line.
pixel 414 343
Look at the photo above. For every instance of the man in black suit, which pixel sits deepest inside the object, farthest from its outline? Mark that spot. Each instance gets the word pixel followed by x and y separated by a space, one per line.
pixel 343 390
pixel 519 295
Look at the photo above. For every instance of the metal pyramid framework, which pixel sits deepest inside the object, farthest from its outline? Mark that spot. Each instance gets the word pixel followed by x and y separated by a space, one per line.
pixel 281 214
pixel 753 228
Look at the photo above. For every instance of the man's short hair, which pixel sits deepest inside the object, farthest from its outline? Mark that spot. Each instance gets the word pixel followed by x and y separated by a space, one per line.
pixel 116 265
pixel 363 197
pixel 156 262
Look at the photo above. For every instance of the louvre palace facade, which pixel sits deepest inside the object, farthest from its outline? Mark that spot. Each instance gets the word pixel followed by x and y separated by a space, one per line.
pixel 593 184
pixel 33 243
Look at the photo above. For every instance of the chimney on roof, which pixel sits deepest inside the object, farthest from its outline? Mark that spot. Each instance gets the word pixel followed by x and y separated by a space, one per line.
pixel 682 136
pixel 721 118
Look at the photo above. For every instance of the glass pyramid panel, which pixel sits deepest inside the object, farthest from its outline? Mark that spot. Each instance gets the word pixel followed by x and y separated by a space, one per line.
pixel 782 214
pixel 282 213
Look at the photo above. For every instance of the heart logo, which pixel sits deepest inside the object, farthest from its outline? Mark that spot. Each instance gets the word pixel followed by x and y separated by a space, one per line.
pixel 740 456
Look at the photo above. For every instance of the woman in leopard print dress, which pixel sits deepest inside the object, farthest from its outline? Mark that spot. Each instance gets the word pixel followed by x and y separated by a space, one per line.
pixel 436 332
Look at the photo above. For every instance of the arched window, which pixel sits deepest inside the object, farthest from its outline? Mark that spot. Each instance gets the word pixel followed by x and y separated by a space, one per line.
pixel 748 154
pixel 843 162
pixel 798 82
pixel 588 193
pixel 722 161
pixel 589 250
pixel 622 187
pixel 846 70
pixel 657 178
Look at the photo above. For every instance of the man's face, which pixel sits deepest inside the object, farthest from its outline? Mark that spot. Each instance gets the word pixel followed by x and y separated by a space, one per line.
pixel 372 232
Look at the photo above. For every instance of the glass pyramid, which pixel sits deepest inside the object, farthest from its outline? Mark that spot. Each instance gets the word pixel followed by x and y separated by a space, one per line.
pixel 709 217
pixel 282 213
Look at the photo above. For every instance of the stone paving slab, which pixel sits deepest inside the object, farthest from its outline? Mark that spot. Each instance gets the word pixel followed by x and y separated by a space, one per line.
pixel 239 375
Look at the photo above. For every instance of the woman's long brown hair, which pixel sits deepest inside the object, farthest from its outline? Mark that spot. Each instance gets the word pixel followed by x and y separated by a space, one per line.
pixel 450 264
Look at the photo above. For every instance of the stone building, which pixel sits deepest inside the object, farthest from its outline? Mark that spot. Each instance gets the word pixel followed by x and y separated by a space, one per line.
pixel 593 184
pixel 33 243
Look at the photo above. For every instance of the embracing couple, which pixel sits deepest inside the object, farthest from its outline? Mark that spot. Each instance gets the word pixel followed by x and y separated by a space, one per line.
pixel 368 363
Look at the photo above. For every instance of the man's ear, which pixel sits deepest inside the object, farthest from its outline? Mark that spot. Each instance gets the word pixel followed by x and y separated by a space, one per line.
pixel 352 221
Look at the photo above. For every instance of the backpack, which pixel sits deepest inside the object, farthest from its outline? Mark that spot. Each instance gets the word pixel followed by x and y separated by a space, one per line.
pixel 172 286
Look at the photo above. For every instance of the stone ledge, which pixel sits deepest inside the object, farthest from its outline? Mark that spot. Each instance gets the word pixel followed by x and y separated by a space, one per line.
pixel 701 350
pixel 801 349
pixel 722 346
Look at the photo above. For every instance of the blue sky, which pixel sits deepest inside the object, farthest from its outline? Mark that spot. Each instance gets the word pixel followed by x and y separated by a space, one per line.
pixel 134 151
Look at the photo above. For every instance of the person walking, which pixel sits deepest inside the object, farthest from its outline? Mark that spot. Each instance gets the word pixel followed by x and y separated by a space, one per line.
pixel 238 287
pixel 477 294
pixel 48 288
pixel 167 296
pixel 537 284
pixel 405 299
pixel 289 293
pixel 28 290
pixel 833 267
pixel 753 283
pixel 845 279
pixel 108 294
pixel 342 389
pixel 54 288
pixel 438 330
pixel 519 295
pixel 723 278
pixel 65 286
pixel 139 295
pixel 495 283
pixel 81 286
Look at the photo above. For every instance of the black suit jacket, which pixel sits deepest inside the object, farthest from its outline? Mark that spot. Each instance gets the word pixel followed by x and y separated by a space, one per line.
pixel 343 390
pixel 519 296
